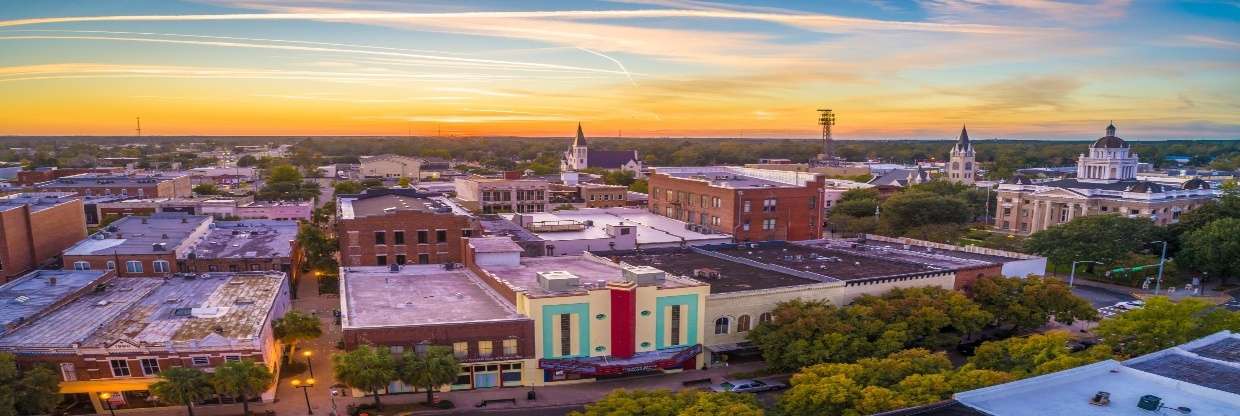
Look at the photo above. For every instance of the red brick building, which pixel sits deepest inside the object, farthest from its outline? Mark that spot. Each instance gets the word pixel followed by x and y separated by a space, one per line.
pixel 32 177
pixel 140 185
pixel 750 204
pixel 400 226
pixel 36 227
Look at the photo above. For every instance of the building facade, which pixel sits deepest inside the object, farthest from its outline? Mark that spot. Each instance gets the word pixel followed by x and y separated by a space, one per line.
pixel 750 204
pixel 401 226
pixel 36 227
pixel 500 195
pixel 139 185
pixel 1107 185
pixel 391 166
pixel 962 162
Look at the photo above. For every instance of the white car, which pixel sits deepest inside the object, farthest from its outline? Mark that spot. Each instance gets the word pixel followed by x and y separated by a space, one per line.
pixel 746 386
pixel 1136 304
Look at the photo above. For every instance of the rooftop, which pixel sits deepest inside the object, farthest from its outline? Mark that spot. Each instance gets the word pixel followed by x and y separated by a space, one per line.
pixel 196 311
pixel 419 295
pixel 109 180
pixel 36 292
pixel 830 262
pixel 247 239
pixel 37 201
pixel 390 200
pixel 139 235
pixel 731 276
pixel 593 272
pixel 651 228
pixel 740 178
pixel 1188 376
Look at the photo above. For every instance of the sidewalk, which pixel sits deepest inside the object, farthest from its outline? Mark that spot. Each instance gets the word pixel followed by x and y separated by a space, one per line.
pixel 290 400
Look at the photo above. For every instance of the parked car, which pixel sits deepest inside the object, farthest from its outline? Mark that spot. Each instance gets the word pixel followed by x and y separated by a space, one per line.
pixel 747 386
pixel 1136 304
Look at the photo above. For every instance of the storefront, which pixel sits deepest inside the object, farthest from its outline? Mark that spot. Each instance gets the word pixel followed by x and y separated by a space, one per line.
pixel 489 375
pixel 562 369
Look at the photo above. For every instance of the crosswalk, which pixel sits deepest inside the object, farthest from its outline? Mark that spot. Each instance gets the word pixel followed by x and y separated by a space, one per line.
pixel 1233 304
pixel 1110 311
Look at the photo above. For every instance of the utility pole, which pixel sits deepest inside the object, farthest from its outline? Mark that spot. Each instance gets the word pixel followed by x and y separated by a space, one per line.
pixel 139 129
pixel 1162 259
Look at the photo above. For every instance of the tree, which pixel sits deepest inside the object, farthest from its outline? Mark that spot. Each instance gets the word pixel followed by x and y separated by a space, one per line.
pixel 1036 354
pixel 296 326
pixel 244 379
pixel 283 173
pixel 207 189
pixel 247 161
pixel 1104 238
pixel 39 391
pixel 1214 248
pixel 623 402
pixel 856 207
pixel 1163 324
pixel 365 369
pixel 909 209
pixel 320 249
pixel 860 194
pixel 640 185
pixel 348 187
pixel 1025 304
pixel 722 404
pixel 182 385
pixel 435 367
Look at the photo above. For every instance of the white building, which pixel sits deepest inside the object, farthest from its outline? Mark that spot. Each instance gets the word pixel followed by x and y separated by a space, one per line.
pixel 391 166
pixel 1108 160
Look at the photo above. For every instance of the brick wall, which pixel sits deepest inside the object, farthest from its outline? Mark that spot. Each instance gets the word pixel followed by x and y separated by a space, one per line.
pixel 356 237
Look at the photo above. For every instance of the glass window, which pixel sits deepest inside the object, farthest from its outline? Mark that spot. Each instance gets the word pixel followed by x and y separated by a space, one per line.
pixel 460 349
pixel 110 265
pixel 484 348
pixel 380 237
pixel 423 236
pixel 398 237
pixel 381 260
pixel 768 224
pixel 742 323
pixel 232 358
pixel 510 347
pixel 746 206
pixel 81 265
pixel 120 368
pixel 441 236
pixel 150 366
pixel 200 361
pixel 721 326
pixel 765 317
pixel 133 266
pixel 400 259
pixel 161 266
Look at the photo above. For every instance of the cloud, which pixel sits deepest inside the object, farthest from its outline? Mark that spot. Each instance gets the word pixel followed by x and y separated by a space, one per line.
pixel 1213 42
pixel 1044 92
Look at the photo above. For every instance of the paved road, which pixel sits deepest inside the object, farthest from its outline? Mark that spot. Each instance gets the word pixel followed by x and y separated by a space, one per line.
pixel 1102 296
pixel 325 190
pixel 1234 303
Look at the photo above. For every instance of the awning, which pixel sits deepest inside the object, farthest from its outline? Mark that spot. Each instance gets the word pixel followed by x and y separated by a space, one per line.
pixel 641 362
pixel 737 348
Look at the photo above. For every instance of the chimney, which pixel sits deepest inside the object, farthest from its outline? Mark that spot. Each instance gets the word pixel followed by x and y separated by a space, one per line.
pixel 51 280
pixel 144 220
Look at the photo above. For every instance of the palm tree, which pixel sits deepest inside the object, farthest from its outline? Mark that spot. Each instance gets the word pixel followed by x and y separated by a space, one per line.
pixel 365 369
pixel 244 379
pixel 295 327
pixel 436 367
pixel 182 385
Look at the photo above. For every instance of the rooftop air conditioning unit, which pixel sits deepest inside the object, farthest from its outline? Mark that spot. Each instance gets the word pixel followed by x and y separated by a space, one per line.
pixel 643 274
pixel 558 280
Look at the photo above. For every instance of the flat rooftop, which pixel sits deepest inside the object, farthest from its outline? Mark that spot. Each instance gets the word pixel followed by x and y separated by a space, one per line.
pixel 593 272
pixel 740 178
pixel 36 292
pixel 651 228
pixel 369 206
pixel 137 235
pixel 419 295
pixel 110 180
pixel 37 201
pixel 837 264
pixel 913 254
pixel 1190 375
pixel 207 309
pixel 733 277
pixel 247 239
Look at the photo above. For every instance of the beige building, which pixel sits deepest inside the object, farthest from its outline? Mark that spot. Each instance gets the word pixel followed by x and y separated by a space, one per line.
pixel 497 195
pixel 1106 183
pixel 391 166
pixel 962 164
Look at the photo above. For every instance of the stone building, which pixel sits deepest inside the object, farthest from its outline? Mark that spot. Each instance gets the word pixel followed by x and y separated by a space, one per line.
pixel 962 163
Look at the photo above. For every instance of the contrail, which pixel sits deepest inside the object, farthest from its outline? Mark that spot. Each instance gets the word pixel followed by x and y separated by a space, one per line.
pixel 617 61
pixel 816 21
pixel 518 65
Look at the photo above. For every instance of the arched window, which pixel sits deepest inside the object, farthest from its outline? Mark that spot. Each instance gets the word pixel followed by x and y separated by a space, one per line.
pixel 968 165
pixel 764 318
pixel 111 265
pixel 721 326
pixel 742 323
pixel 955 165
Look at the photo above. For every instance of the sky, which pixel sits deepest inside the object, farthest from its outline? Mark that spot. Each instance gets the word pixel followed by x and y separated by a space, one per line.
pixel 889 69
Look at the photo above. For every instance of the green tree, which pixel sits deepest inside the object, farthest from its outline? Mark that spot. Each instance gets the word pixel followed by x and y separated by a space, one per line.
pixel 182 385
pixel 909 209
pixel 283 173
pixel 348 187
pixel 1035 354
pixel 640 185
pixel 1023 304
pixel 434 368
pixel 243 379
pixel 320 249
pixel 1163 324
pixel 295 327
pixel 207 189
pixel 9 380
pixel 366 369
pixel 247 161
pixel 723 404
pixel 1214 248
pixel 856 207
pixel 1104 238
pixel 860 194
pixel 623 402
pixel 39 391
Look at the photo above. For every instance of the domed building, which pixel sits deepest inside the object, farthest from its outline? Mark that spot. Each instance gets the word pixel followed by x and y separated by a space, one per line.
pixel 1106 183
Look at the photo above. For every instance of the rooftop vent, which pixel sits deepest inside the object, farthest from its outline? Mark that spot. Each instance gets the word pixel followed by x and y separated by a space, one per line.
pixel 394 268
pixel 642 274
pixel 557 280
pixel 159 246
pixel 22 299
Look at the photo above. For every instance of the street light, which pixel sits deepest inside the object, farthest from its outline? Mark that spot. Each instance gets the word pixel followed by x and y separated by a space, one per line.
pixel 309 366
pixel 105 396
pixel 1162 259
pixel 305 390
pixel 1072 276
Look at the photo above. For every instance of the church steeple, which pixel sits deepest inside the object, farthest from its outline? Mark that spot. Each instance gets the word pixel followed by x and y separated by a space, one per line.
pixel 580 140
pixel 963 142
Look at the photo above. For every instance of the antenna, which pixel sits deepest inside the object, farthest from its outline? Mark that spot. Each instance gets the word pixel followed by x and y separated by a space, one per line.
pixel 826 119
pixel 139 129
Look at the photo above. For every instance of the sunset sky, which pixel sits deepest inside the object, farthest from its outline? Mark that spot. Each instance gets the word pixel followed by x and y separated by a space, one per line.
pixel 653 68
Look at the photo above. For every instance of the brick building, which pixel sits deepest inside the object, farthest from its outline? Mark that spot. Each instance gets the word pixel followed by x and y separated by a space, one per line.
pixel 497 195
pixel 401 226
pixel 32 177
pixel 750 204
pixel 117 336
pixel 36 227
pixel 247 245
pixel 141 185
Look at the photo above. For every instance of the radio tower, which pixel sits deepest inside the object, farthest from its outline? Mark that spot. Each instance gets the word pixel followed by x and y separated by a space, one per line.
pixel 826 119
pixel 139 129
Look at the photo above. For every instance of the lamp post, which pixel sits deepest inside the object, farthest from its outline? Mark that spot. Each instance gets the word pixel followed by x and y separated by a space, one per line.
pixel 106 397
pixel 1072 275
pixel 309 366
pixel 1162 259
pixel 335 393
pixel 305 390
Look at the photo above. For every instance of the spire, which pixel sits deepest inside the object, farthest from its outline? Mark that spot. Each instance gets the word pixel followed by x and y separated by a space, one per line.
pixel 580 140
pixel 963 142
pixel 1111 129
